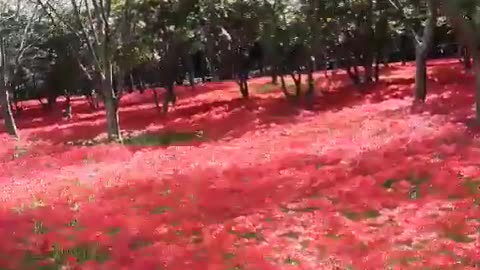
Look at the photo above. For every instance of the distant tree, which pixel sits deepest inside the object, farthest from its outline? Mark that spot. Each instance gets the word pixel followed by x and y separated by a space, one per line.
pixel 18 36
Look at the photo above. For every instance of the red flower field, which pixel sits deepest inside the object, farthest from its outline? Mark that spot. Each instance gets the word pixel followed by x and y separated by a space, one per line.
pixel 364 180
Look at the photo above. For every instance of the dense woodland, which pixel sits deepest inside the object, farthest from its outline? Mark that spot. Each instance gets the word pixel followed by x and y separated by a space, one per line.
pixel 102 49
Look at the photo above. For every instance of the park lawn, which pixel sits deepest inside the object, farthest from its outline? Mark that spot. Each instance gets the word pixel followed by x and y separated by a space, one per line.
pixel 361 181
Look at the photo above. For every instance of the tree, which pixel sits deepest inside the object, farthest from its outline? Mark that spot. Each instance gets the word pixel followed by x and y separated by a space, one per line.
pixel 4 93
pixel 98 24
pixel 464 15
pixel 16 39
pixel 423 39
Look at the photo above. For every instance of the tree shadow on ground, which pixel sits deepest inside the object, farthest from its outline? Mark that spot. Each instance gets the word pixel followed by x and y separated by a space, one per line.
pixel 226 117
pixel 137 216
pixel 213 110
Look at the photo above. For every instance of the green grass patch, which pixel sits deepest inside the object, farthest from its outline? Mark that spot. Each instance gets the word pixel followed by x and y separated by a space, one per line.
pixel 268 88
pixel 73 223
pixel 272 88
pixel 458 237
pixel 473 186
pixel 82 254
pixel 138 244
pixel 39 227
pixel 332 236
pixel 417 180
pixel 160 210
pixel 197 237
pixel 228 256
pixel 299 210
pixel 406 261
pixel 114 231
pixel 389 183
pixel 369 214
pixel 291 261
pixel 163 139
pixel 291 234
pixel 251 236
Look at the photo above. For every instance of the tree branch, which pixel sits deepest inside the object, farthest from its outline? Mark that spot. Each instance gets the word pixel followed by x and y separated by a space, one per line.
pixel 90 21
pixel 85 35
pixel 26 32
pixel 395 4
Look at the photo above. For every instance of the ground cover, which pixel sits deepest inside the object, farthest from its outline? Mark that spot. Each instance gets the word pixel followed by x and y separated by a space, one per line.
pixel 364 180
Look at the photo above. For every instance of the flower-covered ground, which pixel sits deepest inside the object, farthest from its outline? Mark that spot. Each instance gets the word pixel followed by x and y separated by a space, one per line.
pixel 364 180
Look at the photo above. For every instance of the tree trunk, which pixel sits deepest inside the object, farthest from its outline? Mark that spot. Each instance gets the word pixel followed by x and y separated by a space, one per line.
pixel 169 98
pixel 311 83
pixel 68 107
pixel 377 67
pixel 369 49
pixel 422 48
pixel 274 75
pixel 284 87
pixel 9 122
pixel 243 88
pixel 190 71
pixel 111 108
pixel 155 97
pixel 352 74
pixel 298 83
pixel 467 59
pixel 476 67
pixel 420 75
pixel 368 67
pixel 243 82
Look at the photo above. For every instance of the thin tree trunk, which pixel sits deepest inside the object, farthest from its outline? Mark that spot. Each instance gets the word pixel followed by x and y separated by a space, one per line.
pixel 243 88
pixel 284 87
pixel 170 97
pixel 352 74
pixel 111 108
pixel 155 97
pixel 311 83
pixel 9 122
pixel 476 67
pixel 420 76
pixel 368 50
pixel 298 83
pixel 274 74
pixel 377 67
pixel 467 60
pixel 190 70
pixel 422 49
